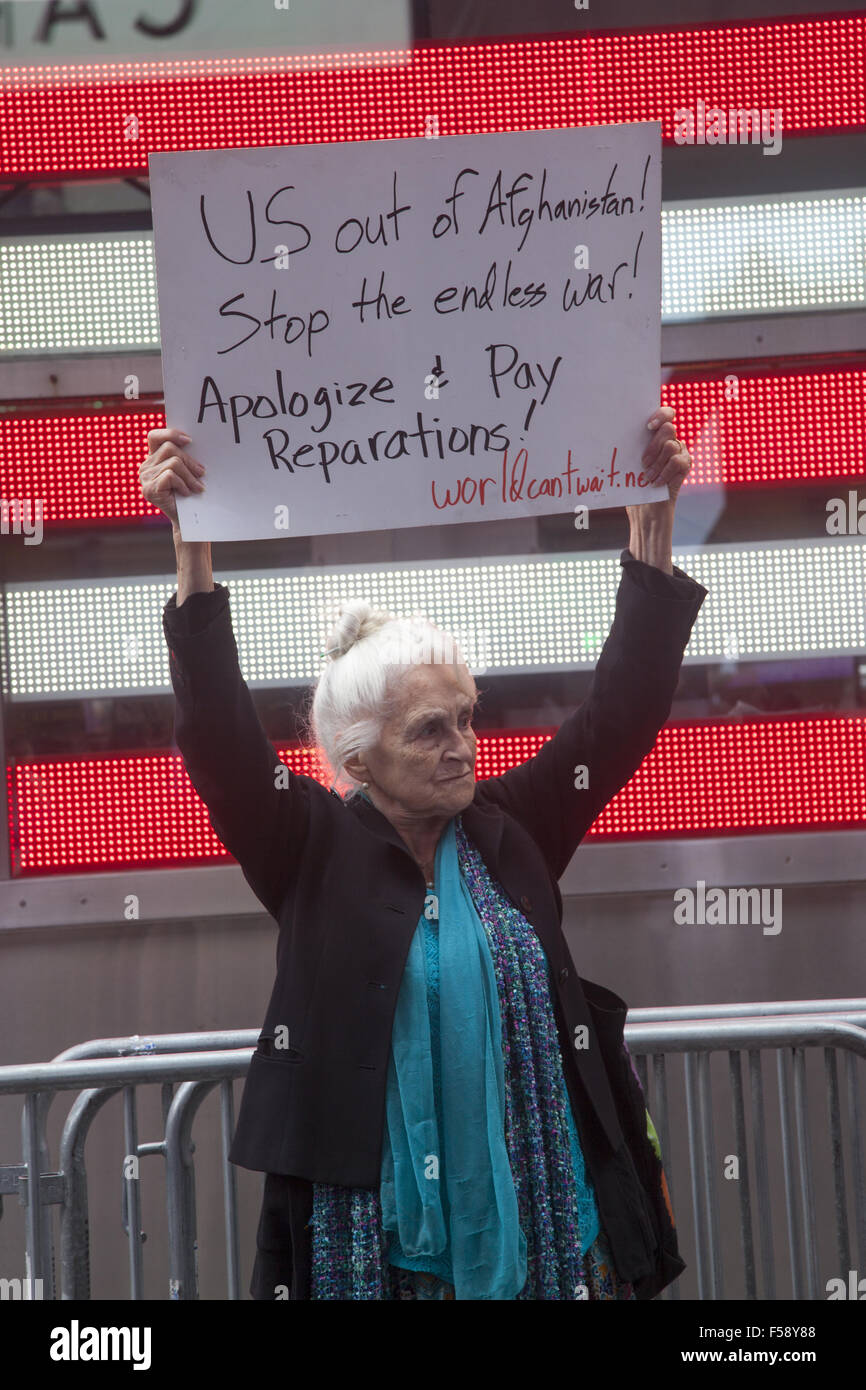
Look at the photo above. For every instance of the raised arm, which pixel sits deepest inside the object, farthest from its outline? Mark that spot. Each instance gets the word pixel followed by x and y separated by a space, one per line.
pixel 558 793
pixel 611 732
pixel 258 808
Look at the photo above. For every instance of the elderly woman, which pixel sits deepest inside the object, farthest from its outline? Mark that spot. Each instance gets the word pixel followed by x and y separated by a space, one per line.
pixel 442 1107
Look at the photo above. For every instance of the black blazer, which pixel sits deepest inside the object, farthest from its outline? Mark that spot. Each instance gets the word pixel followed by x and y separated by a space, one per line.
pixel 347 896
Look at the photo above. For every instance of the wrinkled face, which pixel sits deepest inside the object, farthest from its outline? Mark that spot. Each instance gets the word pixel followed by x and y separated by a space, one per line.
pixel 424 761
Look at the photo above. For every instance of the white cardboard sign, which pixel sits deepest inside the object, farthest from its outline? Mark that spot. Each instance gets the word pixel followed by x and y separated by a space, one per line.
pixel 391 333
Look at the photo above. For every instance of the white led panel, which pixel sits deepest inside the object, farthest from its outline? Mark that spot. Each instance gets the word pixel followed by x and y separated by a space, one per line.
pixel 78 294
pixel 764 255
pixel 735 256
pixel 766 600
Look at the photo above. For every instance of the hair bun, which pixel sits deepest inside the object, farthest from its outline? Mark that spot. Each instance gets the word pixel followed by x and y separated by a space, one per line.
pixel 356 619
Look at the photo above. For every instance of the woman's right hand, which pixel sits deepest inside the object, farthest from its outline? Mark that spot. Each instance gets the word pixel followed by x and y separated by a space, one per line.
pixel 168 469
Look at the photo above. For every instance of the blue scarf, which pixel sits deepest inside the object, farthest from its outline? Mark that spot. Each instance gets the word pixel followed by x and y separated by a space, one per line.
pixel 454 1200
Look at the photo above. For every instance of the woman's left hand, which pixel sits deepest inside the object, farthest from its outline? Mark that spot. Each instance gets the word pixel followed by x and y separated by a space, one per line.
pixel 665 460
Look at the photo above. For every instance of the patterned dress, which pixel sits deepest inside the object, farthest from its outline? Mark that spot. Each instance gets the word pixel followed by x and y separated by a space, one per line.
pixel 567 1257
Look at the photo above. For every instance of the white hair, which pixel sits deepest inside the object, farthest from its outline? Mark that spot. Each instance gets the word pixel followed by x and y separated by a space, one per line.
pixel 366 649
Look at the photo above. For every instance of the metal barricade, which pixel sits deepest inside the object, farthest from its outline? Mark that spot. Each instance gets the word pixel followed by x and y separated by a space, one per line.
pixel 196 1063
pixel 100 1070
pixel 790 1029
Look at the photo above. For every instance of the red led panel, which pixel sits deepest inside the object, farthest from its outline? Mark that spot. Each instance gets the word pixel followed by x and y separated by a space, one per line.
pixel 743 431
pixel 746 777
pixel 700 779
pixel 75 119
pixel 83 466
pixel 760 431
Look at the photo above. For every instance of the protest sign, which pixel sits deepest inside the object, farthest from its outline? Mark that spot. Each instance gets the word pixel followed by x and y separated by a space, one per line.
pixel 388 333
